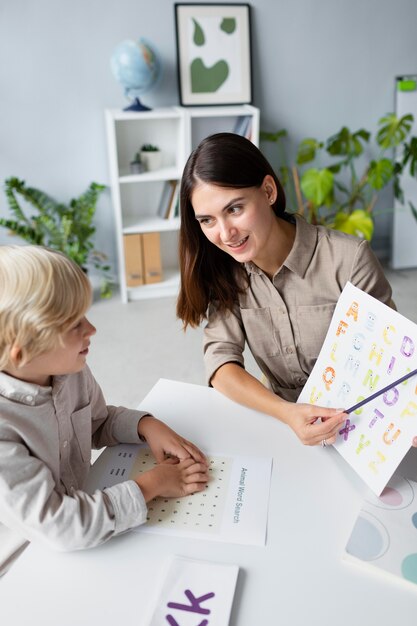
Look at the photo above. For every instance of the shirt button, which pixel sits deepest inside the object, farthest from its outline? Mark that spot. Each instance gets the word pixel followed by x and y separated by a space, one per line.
pixel 65 443
pixel 29 398
pixel 289 350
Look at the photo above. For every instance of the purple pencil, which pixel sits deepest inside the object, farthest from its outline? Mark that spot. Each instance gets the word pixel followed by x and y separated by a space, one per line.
pixel 381 391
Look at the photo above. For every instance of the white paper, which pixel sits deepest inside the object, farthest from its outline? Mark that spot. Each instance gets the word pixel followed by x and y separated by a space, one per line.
pixel 368 346
pixel 384 535
pixel 232 508
pixel 195 592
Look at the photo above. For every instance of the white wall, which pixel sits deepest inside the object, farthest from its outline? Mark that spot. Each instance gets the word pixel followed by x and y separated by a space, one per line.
pixel 317 64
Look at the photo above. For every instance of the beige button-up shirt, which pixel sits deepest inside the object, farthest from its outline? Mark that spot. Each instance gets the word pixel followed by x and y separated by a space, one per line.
pixel 285 321
pixel 46 436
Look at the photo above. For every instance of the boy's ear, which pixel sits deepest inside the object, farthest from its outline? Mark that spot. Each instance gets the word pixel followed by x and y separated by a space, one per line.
pixel 15 354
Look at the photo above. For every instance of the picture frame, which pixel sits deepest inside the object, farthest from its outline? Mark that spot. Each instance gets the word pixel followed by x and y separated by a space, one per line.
pixel 213 54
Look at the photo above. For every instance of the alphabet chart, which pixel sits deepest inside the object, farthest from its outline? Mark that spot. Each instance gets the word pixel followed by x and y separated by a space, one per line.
pixel 368 345
pixel 385 532
pixel 233 507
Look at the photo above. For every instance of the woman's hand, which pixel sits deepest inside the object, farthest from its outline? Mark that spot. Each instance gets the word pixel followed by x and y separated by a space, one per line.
pixel 165 442
pixel 173 479
pixel 314 424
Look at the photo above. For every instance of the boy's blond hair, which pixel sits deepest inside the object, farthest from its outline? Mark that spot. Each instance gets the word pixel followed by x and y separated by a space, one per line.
pixel 42 293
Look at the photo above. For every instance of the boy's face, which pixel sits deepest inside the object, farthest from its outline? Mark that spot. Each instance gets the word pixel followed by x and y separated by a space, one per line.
pixel 64 359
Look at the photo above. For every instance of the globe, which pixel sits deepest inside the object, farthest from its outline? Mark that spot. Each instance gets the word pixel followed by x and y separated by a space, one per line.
pixel 137 68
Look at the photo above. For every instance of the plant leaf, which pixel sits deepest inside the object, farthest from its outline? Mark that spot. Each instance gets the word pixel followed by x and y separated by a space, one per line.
pixel 358 223
pixel 317 185
pixel 307 149
pixel 393 130
pixel 380 173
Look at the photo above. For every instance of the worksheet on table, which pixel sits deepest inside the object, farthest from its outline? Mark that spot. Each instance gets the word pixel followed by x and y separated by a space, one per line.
pixel 233 507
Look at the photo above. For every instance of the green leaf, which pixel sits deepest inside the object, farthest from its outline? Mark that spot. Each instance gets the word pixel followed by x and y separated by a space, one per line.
pixel 393 130
pixel 345 143
pixel 358 223
pixel 67 228
pixel 267 136
pixel 317 185
pixel 307 149
pixel 380 173
pixel 413 209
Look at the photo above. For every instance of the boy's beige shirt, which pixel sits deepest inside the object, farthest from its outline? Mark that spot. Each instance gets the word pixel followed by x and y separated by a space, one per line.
pixel 285 321
pixel 46 436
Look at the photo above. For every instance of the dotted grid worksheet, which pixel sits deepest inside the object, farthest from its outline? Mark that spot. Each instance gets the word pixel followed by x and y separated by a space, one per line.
pixel 200 512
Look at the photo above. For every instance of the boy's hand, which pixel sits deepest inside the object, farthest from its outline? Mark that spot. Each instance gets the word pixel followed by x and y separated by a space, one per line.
pixel 165 442
pixel 173 479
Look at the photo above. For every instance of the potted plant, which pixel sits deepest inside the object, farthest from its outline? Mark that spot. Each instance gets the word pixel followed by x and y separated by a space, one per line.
pixel 150 156
pixel 136 166
pixel 67 228
pixel 331 191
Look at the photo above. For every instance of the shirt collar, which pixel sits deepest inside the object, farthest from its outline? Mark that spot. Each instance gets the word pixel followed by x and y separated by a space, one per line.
pixel 301 253
pixel 22 391
pixel 304 246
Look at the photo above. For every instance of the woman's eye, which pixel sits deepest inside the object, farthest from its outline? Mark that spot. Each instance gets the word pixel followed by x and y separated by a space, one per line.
pixel 205 221
pixel 233 210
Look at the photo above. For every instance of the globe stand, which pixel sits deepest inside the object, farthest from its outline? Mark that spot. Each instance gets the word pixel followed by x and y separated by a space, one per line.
pixel 137 106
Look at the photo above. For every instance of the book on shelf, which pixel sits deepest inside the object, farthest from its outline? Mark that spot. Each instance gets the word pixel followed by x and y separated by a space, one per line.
pixel 175 203
pixel 243 126
pixel 167 196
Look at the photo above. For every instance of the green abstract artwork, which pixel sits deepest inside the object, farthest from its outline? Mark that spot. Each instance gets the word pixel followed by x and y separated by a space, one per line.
pixel 208 79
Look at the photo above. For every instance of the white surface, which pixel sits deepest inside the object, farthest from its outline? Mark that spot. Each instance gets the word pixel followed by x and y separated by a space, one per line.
pixel 297 579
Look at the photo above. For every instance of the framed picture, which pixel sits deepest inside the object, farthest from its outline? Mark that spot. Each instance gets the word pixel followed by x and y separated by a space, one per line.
pixel 213 54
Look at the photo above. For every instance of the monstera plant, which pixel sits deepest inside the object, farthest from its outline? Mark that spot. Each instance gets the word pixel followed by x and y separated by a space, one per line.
pixel 335 183
pixel 67 228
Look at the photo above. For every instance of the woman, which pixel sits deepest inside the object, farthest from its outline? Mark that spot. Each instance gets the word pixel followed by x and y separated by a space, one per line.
pixel 262 276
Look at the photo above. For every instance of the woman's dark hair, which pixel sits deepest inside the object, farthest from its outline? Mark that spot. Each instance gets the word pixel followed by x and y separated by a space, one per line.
pixel 207 273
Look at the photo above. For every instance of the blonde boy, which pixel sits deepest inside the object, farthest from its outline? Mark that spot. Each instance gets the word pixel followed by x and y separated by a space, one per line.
pixel 52 412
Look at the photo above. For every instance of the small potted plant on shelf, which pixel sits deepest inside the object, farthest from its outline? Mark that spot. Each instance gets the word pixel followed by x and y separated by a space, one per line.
pixel 136 166
pixel 150 156
pixel 67 228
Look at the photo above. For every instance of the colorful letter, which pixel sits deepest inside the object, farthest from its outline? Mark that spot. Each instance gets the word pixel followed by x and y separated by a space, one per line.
pixel 388 329
pixel 391 396
pixel 353 310
pixel 341 329
pixel 380 459
pixel 386 436
pixel 328 377
pixel 370 379
pixel 375 417
pixel 376 353
pixel 407 351
pixel 410 409
pixel 362 444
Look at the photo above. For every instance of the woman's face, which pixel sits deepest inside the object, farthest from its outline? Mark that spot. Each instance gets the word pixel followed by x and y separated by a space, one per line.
pixel 238 221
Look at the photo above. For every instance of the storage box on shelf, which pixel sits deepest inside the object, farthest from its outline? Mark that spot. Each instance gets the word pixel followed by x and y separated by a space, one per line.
pixel 147 202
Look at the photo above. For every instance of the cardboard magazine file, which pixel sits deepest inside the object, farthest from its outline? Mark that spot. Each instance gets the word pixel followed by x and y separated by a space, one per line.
pixel 133 260
pixel 152 266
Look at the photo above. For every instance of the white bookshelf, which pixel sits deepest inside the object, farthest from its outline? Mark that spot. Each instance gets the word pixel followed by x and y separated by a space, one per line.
pixel 136 197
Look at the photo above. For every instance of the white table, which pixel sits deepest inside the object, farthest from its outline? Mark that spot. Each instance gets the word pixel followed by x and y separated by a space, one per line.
pixel 297 579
